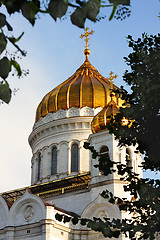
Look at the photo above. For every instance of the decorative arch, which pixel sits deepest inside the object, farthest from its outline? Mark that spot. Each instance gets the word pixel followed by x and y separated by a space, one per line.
pixel 4 212
pixel 101 208
pixel 52 146
pixel 104 151
pixel 26 210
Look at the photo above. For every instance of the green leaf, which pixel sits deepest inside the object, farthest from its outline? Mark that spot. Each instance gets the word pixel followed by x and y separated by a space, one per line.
pixel 111 200
pixel 5 67
pixel 17 67
pixel 14 40
pixel 113 12
pixel 120 2
pixel 83 221
pixel 3 42
pixel 86 145
pixel 29 10
pixel 2 20
pixel 5 92
pixel 78 17
pixel 75 220
pixel 57 8
pixel 58 217
pixel 107 232
pixel 13 5
pixel 93 225
pixel 66 219
pixel 94 155
pixel 92 9
pixel 88 10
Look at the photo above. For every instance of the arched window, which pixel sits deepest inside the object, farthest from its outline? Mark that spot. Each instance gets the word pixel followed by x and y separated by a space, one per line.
pixel 74 158
pixel 128 158
pixel 39 166
pixel 105 154
pixel 54 161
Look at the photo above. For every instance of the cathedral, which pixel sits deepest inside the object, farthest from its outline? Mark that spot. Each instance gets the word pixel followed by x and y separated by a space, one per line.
pixel 63 177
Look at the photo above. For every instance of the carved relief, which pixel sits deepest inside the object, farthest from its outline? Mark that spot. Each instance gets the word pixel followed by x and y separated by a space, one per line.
pixel 72 112
pixel 28 213
pixel 87 111
pixel 60 114
pixel 102 214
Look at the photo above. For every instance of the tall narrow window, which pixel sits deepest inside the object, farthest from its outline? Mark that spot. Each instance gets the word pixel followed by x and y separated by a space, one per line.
pixel 128 158
pixel 54 161
pixel 39 166
pixel 105 154
pixel 74 158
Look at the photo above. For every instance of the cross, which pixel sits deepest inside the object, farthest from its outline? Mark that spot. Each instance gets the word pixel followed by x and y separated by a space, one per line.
pixel 111 78
pixel 86 35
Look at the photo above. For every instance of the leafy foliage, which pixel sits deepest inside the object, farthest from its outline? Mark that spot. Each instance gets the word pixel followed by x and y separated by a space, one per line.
pixel 5 92
pixel 142 105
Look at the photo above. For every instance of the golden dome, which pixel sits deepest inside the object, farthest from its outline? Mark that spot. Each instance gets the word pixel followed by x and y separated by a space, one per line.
pixel 86 87
pixel 100 121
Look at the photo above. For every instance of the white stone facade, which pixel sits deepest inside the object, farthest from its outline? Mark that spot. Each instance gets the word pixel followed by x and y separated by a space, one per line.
pixel 31 217
pixel 61 130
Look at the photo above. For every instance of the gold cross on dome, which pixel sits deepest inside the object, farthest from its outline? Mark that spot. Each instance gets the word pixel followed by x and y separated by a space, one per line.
pixel 86 35
pixel 111 79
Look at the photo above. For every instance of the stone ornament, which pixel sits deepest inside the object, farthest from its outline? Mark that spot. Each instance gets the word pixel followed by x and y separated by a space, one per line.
pixel 102 214
pixel 28 213
pixel 72 112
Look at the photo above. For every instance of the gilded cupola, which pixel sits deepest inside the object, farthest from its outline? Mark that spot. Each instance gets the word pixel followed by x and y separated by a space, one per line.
pixel 103 118
pixel 85 88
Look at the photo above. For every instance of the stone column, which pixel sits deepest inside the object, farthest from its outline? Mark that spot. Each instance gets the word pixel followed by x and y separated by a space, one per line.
pixel 49 163
pixel 47 230
pixel 32 171
pixel 9 233
pixel 69 160
pixel 45 164
pixel 41 172
pixel 35 169
pixel 80 163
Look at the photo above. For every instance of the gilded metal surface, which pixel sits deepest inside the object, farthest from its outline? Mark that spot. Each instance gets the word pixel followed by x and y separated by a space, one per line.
pixel 68 184
pixel 100 121
pixel 86 87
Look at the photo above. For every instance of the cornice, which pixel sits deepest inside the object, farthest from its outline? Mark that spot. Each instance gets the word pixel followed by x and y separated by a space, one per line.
pixel 71 112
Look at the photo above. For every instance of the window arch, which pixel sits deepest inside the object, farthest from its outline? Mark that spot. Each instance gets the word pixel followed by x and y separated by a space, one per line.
pixel 104 151
pixel 39 173
pixel 128 158
pixel 74 157
pixel 54 161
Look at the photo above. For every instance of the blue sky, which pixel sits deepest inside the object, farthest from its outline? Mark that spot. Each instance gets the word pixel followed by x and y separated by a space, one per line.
pixel 54 52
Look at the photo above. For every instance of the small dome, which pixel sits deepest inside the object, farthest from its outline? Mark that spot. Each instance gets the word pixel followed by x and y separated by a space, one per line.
pixel 100 121
pixel 86 87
